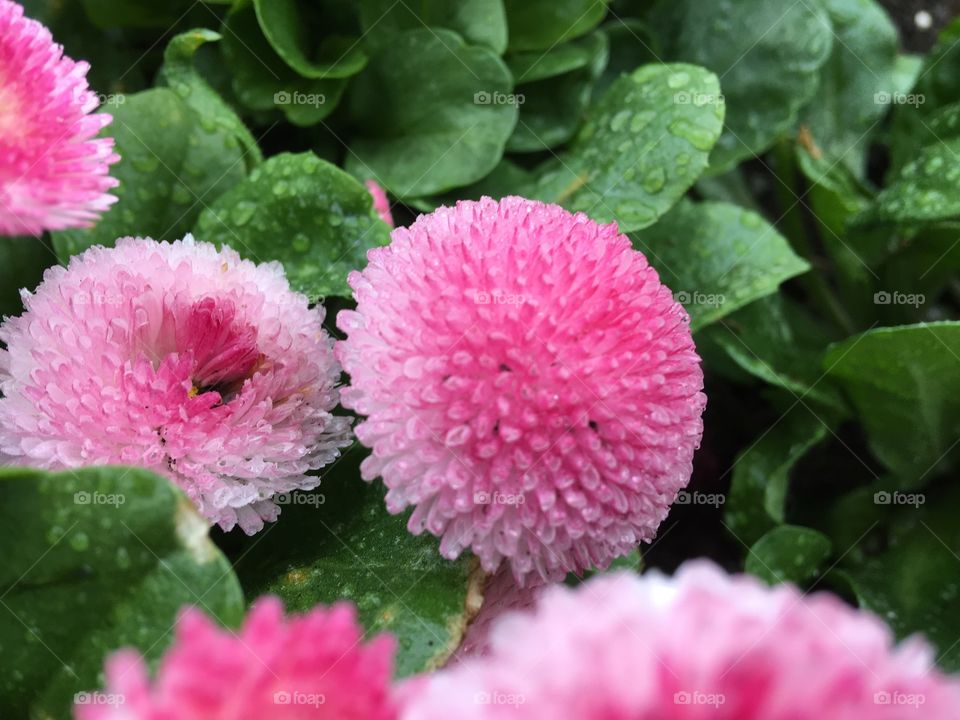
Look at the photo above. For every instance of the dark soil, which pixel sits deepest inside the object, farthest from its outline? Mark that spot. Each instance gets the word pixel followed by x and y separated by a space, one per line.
pixel 904 13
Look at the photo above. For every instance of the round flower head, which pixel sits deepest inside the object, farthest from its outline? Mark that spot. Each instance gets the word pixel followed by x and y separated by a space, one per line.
pixel 529 384
pixel 53 173
pixel 380 202
pixel 314 666
pixel 699 646
pixel 178 357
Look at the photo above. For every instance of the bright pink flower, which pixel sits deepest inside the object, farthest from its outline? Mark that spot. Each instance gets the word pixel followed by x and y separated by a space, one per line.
pixel 181 358
pixel 699 646
pixel 53 174
pixel 529 385
pixel 313 666
pixel 380 202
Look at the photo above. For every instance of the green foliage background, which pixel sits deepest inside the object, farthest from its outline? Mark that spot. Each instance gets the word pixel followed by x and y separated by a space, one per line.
pixel 788 170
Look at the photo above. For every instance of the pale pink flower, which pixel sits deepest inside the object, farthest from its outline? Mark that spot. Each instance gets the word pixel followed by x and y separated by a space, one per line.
pixel 53 173
pixel 529 384
pixel 181 358
pixel 313 666
pixel 699 646
pixel 380 202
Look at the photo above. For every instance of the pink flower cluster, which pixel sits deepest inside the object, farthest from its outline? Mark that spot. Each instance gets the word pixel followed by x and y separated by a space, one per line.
pixel 698 646
pixel 315 666
pixel 177 357
pixel 53 173
pixel 529 385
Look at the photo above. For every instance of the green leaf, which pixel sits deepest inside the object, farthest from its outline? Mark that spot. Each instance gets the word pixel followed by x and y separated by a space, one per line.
pixel 94 560
pixel 642 146
pixel 263 81
pixel 768 54
pixel 480 22
pixel 854 82
pixel 22 262
pixel 912 584
pixel 174 162
pixel 937 85
pixel 293 33
pixel 431 113
pixel 553 108
pixel 529 67
pixel 775 340
pixel 788 554
pixel 717 257
pixel 180 74
pixel 340 543
pixel 761 473
pixel 542 24
pixel 924 191
pixel 905 386
pixel 301 210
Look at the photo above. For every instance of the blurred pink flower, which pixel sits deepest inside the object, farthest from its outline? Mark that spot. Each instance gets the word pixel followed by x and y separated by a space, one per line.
pixel 380 202
pixel 698 646
pixel 313 666
pixel 181 358
pixel 53 173
pixel 529 384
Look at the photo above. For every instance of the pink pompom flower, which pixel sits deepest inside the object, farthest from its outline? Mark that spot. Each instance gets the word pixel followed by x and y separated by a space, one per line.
pixel 530 386
pixel 181 358
pixel 380 202
pixel 699 646
pixel 53 172
pixel 313 666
